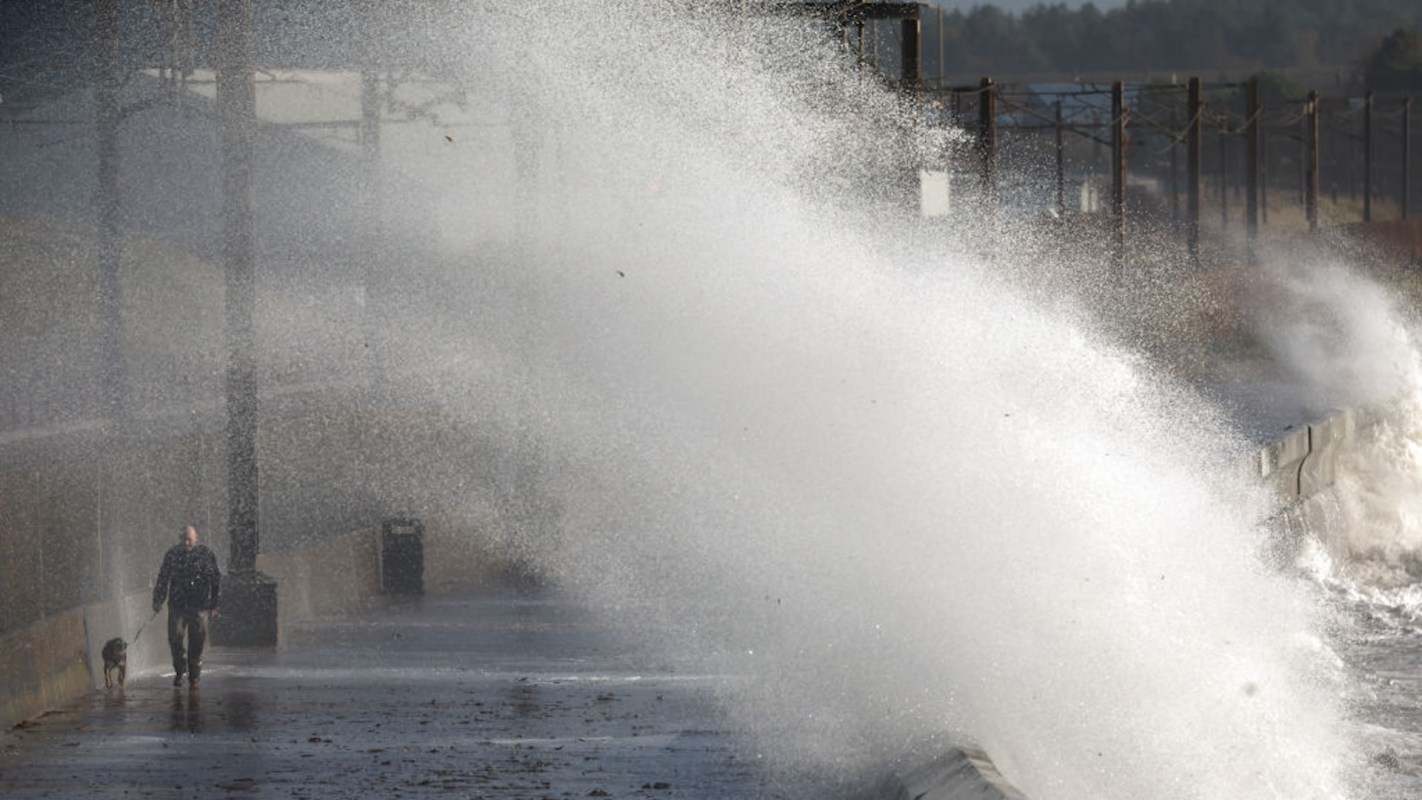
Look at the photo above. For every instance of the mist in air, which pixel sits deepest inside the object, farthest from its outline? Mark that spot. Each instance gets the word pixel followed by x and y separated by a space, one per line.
pixel 646 276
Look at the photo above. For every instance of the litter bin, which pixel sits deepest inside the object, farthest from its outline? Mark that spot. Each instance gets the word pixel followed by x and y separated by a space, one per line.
pixel 402 556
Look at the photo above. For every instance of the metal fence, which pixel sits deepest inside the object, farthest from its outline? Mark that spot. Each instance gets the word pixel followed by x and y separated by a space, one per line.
pixel 1242 154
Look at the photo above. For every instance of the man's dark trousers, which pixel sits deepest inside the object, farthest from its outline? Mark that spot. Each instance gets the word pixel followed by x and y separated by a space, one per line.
pixel 193 622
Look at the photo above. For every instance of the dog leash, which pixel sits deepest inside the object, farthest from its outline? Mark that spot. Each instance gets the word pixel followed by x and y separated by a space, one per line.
pixel 145 624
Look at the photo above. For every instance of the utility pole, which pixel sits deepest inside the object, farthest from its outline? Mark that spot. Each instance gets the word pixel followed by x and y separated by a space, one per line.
pixel 1174 171
pixel 911 57
pixel 1061 162
pixel 108 204
pixel 371 193
pixel 1334 161
pixel 1311 162
pixel 1406 157
pixel 942 63
pixel 1251 167
pixel 1368 157
pixel 1263 172
pixel 249 607
pixel 1224 176
pixel 1194 140
pixel 911 90
pixel 1118 178
pixel 987 141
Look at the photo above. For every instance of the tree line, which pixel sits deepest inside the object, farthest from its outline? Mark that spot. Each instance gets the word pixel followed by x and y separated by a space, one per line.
pixel 1184 35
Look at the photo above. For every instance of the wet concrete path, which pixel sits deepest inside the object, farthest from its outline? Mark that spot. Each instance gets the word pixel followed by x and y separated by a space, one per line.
pixel 496 694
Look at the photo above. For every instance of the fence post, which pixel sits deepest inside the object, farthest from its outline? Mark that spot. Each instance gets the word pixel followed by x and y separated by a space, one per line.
pixel 1192 167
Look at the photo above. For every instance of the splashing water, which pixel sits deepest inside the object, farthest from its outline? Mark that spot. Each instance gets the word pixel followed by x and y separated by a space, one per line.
pixel 788 437
pixel 1350 340
pixel 1354 344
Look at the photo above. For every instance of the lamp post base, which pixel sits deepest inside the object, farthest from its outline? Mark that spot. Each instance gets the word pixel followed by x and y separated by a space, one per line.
pixel 249 612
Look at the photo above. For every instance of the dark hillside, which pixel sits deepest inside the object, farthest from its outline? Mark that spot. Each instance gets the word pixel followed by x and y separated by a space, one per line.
pixel 1184 35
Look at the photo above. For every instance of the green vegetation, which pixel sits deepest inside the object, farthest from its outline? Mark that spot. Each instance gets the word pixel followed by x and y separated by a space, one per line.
pixel 1199 35
pixel 1395 65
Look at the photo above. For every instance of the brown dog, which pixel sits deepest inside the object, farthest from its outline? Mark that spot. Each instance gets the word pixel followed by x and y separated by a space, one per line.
pixel 115 655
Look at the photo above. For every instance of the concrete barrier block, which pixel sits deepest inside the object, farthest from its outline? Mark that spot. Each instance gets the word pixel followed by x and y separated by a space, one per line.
pixel 1328 438
pixel 1284 453
pixel 963 773
pixel 342 573
pixel 292 575
pixel 20 554
pixel 1279 463
pixel 19 679
pixel 43 666
pixel 336 575
pixel 365 562
pixel 61 657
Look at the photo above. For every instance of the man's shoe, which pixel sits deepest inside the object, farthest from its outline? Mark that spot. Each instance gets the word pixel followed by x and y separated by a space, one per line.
pixel 178 680
pixel 192 686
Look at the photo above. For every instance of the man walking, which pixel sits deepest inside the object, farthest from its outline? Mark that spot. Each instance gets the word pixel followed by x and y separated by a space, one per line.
pixel 191 583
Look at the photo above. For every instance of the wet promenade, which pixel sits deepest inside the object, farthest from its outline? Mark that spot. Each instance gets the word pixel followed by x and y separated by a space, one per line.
pixel 496 694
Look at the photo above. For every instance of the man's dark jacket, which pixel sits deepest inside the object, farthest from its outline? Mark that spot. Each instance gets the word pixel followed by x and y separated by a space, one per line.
pixel 188 579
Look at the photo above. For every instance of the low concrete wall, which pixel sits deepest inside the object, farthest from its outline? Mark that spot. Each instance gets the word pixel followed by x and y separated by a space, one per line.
pixel 342 574
pixel 85 516
pixel 337 576
pixel 465 550
pixel 58 658
pixel 43 665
